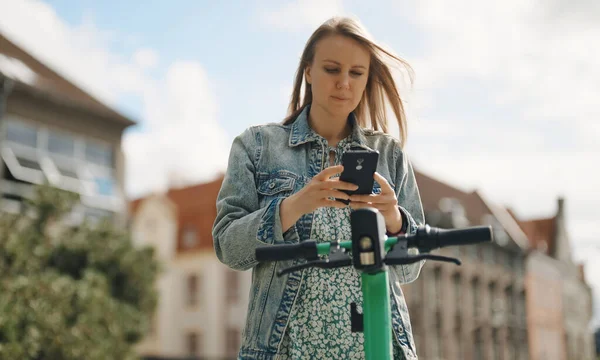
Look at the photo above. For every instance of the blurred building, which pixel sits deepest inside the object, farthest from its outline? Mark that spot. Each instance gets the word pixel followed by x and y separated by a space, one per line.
pixel 509 300
pixel 560 302
pixel 476 310
pixel 597 336
pixel 202 303
pixel 52 131
pixel 521 297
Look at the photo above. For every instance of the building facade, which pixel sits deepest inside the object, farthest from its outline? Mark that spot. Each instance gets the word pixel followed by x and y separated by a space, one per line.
pixel 53 132
pixel 202 303
pixel 476 310
pixel 507 301
pixel 560 301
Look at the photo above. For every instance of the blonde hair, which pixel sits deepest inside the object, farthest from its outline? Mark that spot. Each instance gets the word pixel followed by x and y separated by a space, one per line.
pixel 371 110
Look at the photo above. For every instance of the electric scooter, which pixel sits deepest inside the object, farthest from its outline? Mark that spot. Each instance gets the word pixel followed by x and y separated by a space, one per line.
pixel 370 251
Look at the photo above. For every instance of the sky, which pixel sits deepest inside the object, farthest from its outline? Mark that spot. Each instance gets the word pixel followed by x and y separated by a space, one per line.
pixel 504 98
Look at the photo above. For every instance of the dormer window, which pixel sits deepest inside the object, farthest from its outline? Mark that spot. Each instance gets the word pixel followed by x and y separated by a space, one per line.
pixel 189 237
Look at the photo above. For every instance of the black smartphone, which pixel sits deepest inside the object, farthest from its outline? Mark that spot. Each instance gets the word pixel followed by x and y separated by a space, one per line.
pixel 359 168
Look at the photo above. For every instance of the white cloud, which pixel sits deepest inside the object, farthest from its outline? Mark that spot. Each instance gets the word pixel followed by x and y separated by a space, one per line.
pixel 540 66
pixel 184 144
pixel 146 58
pixel 538 63
pixel 545 63
pixel 182 140
pixel 301 14
pixel 79 53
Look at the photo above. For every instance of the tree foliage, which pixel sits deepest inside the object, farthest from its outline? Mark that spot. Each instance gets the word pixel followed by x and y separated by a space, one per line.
pixel 71 292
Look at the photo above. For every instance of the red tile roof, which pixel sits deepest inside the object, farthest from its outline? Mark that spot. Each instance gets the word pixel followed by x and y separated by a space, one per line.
pixel 196 208
pixel 433 190
pixel 541 233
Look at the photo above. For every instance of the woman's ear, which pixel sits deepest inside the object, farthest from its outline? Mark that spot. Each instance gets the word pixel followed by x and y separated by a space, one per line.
pixel 307 75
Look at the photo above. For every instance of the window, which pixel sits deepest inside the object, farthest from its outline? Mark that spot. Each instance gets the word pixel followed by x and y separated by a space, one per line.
pixel 456 280
pixel 189 237
pixel 510 306
pixel 496 349
pixel 24 166
pixel 439 340
pixel 472 251
pixel 460 346
pixel 500 256
pixel 192 290
pixel 492 297
pixel 518 266
pixel 478 346
pixel 233 286
pixel 520 308
pixel 21 133
pixel 475 296
pixel 100 154
pixel 192 344
pixel 437 276
pixel 61 144
pixel 29 164
pixel 67 169
pixel 509 260
pixel 102 180
pixel 488 254
pixel 105 186
pixel 232 341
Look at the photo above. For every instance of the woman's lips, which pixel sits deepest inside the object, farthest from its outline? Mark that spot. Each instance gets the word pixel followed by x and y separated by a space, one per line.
pixel 340 99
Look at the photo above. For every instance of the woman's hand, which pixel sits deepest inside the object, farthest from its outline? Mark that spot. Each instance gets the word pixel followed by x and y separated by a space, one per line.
pixel 386 203
pixel 319 192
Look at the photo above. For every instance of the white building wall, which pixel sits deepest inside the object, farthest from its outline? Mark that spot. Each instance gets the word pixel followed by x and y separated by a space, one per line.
pixel 155 224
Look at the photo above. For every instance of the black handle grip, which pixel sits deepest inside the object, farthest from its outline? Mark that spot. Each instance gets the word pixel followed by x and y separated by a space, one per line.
pixel 304 250
pixel 429 238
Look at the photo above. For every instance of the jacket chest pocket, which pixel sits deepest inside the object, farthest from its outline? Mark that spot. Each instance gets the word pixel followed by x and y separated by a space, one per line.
pixel 274 186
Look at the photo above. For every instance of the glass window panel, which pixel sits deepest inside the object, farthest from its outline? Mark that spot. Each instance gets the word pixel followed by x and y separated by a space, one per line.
pixel 105 185
pixel 99 154
pixel 29 164
pixel 62 144
pixel 21 133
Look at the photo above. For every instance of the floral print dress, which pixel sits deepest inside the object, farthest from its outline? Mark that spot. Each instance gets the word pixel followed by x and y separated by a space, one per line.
pixel 319 323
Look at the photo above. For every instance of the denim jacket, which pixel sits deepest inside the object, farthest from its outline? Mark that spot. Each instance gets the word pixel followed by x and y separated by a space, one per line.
pixel 268 163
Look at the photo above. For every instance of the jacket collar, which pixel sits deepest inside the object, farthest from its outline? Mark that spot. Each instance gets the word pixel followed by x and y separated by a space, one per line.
pixel 302 133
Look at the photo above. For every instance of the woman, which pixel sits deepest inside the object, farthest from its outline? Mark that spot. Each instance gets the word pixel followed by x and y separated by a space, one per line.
pixel 279 188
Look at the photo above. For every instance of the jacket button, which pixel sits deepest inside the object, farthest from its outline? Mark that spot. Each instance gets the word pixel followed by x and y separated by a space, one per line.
pixel 271 185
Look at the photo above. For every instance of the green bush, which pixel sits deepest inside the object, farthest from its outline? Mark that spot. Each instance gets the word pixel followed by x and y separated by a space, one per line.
pixel 80 292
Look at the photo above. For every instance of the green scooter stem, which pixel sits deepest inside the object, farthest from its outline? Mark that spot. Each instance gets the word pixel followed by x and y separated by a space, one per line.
pixel 377 316
pixel 377 313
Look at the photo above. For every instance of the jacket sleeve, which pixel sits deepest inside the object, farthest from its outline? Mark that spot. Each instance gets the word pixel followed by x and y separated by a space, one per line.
pixel 409 202
pixel 240 225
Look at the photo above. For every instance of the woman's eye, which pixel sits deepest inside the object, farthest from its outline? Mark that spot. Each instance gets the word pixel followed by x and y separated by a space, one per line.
pixel 356 73
pixel 331 70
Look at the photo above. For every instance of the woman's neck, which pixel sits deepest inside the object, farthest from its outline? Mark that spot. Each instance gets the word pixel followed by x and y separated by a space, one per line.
pixel 332 128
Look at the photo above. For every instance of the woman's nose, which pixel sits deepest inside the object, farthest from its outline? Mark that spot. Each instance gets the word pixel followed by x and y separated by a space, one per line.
pixel 344 81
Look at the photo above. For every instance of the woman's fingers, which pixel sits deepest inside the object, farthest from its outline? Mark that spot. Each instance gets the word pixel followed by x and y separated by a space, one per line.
pixel 340 185
pixel 386 188
pixel 374 199
pixel 327 193
pixel 326 173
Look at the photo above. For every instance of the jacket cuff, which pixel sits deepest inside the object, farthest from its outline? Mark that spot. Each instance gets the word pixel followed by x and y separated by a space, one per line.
pixel 269 228
pixel 407 224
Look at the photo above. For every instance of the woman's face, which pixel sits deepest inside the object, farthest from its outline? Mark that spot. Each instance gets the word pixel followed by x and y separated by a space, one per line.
pixel 338 74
